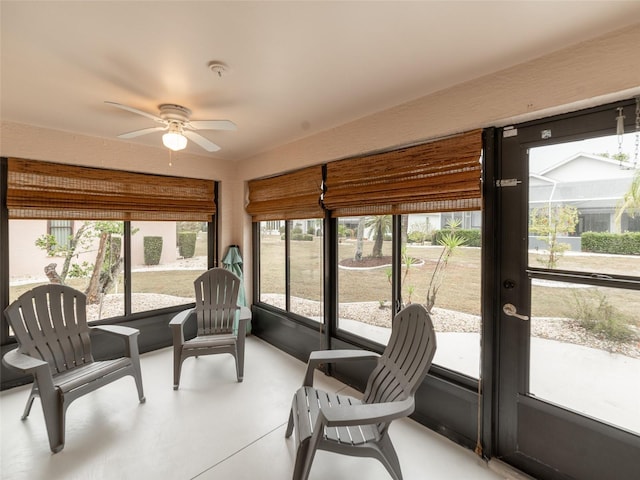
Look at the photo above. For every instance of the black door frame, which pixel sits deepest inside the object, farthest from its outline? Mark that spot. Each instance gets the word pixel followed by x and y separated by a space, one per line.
pixel 538 437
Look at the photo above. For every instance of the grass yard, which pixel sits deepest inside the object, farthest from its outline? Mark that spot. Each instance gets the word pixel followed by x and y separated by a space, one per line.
pixel 460 290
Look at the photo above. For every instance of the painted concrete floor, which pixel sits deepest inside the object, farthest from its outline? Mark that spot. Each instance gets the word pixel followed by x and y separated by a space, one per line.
pixel 211 428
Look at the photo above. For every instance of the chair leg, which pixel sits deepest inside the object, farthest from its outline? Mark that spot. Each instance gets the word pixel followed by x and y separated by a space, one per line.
pixel 54 409
pixel 138 378
pixel 289 425
pixel 177 367
pixel 137 371
pixel 389 458
pixel 32 396
pixel 304 458
pixel 240 359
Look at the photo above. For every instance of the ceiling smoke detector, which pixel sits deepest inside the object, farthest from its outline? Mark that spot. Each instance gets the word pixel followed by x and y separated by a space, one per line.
pixel 218 68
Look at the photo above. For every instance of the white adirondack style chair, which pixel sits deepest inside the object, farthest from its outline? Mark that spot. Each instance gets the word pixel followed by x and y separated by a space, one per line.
pixel 342 424
pixel 216 307
pixel 54 346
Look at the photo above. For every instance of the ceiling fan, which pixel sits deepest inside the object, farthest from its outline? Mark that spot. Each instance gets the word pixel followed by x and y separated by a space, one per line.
pixel 174 119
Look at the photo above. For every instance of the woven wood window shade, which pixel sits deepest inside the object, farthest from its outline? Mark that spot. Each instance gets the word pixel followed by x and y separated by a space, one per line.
pixel 440 176
pixel 55 191
pixel 290 196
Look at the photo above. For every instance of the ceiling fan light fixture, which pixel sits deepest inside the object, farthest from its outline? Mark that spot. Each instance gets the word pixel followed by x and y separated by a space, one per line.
pixel 174 141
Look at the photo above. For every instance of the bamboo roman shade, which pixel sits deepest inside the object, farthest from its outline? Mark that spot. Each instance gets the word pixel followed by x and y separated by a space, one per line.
pixel 290 196
pixel 56 191
pixel 439 176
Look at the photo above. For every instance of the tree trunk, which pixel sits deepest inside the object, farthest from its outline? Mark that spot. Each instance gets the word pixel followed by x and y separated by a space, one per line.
pixel 377 244
pixel 71 251
pixel 93 290
pixel 108 279
pixel 404 229
pixel 359 239
pixel 52 275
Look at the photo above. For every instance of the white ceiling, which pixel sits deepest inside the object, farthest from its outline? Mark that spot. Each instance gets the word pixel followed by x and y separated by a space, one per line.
pixel 295 68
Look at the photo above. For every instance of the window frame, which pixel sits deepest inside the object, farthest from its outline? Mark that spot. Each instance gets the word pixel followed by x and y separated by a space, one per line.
pixel 6 339
pixel 315 324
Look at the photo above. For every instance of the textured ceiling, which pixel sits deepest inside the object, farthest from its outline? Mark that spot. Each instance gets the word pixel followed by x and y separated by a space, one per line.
pixel 295 68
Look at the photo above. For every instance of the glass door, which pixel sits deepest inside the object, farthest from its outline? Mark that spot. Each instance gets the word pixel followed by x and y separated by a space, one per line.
pixel 569 295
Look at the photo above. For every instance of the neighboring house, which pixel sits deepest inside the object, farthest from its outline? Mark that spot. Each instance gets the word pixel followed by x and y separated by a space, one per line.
pixel 32 259
pixel 591 183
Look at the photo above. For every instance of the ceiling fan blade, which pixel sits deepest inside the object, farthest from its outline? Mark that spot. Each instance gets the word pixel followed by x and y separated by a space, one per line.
pixel 208 145
pixel 211 125
pixel 144 131
pixel 135 110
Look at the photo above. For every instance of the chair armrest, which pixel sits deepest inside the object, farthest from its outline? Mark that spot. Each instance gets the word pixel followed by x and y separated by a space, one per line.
pixel 245 313
pixel 180 318
pixel 243 318
pixel 118 330
pixel 177 326
pixel 128 334
pixel 333 356
pixel 22 362
pixel 366 414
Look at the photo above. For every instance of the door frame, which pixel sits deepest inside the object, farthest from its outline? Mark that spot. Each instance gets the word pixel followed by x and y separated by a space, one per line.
pixel 534 435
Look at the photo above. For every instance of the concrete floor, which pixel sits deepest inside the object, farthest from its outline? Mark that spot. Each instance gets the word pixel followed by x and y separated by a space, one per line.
pixel 212 428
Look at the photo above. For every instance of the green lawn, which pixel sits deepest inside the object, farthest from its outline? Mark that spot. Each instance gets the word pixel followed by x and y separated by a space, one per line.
pixel 460 290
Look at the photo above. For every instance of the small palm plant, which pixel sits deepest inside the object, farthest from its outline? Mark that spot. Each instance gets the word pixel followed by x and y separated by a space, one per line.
pixel 450 241
pixel 630 202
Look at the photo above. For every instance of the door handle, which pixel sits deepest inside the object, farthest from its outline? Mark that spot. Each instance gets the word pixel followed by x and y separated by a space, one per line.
pixel 510 310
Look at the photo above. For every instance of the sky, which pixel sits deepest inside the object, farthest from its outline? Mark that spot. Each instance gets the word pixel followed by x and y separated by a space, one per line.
pixel 542 157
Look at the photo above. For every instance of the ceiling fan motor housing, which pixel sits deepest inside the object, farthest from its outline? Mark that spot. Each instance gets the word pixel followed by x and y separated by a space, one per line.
pixel 172 112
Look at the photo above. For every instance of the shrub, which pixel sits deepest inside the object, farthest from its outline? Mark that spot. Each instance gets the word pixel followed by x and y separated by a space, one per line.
pixel 595 314
pixel 152 250
pixel 187 244
pixel 302 236
pixel 416 237
pixel 616 243
pixel 471 237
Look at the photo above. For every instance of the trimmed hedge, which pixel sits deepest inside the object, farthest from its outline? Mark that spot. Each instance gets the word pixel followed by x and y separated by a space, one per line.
pixel 187 244
pixel 300 236
pixel 617 243
pixel 152 250
pixel 472 237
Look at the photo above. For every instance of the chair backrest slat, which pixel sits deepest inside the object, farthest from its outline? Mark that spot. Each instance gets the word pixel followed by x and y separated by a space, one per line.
pixel 216 301
pixel 50 323
pixel 406 359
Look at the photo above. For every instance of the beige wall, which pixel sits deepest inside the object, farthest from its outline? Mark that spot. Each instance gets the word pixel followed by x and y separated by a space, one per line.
pixel 587 74
pixel 583 75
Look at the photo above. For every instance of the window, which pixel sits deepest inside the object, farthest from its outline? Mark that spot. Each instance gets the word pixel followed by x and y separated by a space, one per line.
pixel 92 263
pixel 306 268
pixel 303 239
pixel 91 216
pixel 289 217
pixel 365 303
pixel 61 231
pixel 166 257
pixel 389 213
pixel 441 268
pixel 273 263
pixel 585 264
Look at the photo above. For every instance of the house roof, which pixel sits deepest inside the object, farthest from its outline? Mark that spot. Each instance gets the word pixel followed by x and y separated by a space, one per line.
pixel 615 166
pixel 294 68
